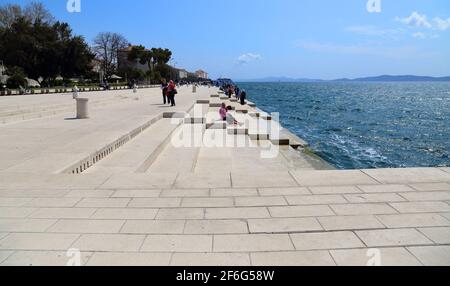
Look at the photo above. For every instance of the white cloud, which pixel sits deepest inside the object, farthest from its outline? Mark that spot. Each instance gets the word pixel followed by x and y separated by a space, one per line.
pixel 419 35
pixel 416 20
pixel 442 24
pixel 374 31
pixel 247 58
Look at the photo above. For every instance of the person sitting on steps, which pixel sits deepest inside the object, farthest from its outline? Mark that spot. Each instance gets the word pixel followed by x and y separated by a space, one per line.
pixel 230 118
pixel 223 112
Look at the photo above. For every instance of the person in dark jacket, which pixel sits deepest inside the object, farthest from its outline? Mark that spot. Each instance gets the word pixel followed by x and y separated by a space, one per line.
pixel 243 97
pixel 164 88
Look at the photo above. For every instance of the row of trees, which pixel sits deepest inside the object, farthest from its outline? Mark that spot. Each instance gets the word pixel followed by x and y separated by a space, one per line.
pixel 34 44
pixel 156 59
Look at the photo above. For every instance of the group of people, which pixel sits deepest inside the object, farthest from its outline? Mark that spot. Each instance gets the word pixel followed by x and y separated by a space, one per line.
pixel 168 92
pixel 230 89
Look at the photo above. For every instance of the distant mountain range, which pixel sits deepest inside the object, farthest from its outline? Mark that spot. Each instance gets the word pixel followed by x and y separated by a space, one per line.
pixel 398 78
pixel 280 79
pixel 382 78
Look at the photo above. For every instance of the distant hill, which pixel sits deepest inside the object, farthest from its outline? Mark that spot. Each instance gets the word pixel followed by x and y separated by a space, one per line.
pixel 397 78
pixel 280 79
pixel 381 78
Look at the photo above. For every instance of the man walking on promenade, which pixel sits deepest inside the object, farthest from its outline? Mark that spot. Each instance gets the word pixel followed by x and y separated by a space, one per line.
pixel 164 88
pixel 243 97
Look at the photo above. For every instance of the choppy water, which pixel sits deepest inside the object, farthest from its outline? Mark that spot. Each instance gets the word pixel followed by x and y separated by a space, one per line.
pixel 364 125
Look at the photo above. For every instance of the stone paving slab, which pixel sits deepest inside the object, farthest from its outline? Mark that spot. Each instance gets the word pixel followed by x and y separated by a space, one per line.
pixel 316 200
pixel 124 214
pixel 252 243
pixel 288 225
pixel 386 189
pixel 13 212
pixel 363 257
pixel 299 258
pixel 180 213
pixel 283 191
pixel 421 207
pixel 129 259
pixel 236 213
pixel 153 227
pixel 333 178
pixel 334 223
pixel 25 225
pixel 374 198
pixel 440 235
pixel 393 237
pixel 86 226
pixel 301 211
pixel 431 187
pixel 413 220
pixel 38 241
pixel 210 259
pixel 412 175
pixel 178 243
pixel 4 255
pixel 432 255
pixel 63 213
pixel 109 242
pixel 363 209
pixel 427 196
pixel 216 227
pixel 335 190
pixel 42 258
pixel 326 240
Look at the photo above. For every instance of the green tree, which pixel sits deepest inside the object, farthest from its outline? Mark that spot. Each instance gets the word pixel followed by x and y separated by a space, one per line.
pixel 16 78
pixel 41 47
pixel 156 59
pixel 161 56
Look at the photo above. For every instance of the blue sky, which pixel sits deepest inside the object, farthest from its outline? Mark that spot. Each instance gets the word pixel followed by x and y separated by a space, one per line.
pixel 245 39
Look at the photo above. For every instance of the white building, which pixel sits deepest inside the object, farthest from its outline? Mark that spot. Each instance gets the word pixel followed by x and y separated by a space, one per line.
pixel 201 74
pixel 182 73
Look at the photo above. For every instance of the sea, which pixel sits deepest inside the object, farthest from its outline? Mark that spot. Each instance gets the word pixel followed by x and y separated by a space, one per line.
pixel 357 125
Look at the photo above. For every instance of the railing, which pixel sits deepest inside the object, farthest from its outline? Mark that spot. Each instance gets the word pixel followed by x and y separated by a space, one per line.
pixel 15 92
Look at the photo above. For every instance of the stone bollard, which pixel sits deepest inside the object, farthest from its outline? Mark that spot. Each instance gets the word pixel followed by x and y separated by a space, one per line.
pixel 75 92
pixel 82 108
pixel 194 89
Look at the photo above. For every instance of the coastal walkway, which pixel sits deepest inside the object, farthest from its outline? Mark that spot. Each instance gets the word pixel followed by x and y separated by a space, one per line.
pixel 142 196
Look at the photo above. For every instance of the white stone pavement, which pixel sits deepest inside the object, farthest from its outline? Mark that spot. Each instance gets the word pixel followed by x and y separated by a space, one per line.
pixel 200 206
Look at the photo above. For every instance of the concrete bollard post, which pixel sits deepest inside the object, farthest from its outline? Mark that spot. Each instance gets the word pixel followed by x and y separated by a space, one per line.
pixel 194 88
pixel 82 108
pixel 75 92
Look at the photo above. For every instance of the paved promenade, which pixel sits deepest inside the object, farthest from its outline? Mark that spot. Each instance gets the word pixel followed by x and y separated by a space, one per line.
pixel 148 201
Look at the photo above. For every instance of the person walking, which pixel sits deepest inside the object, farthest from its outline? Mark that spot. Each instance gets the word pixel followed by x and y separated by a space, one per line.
pixel 172 91
pixel 243 97
pixel 230 91
pixel 164 88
